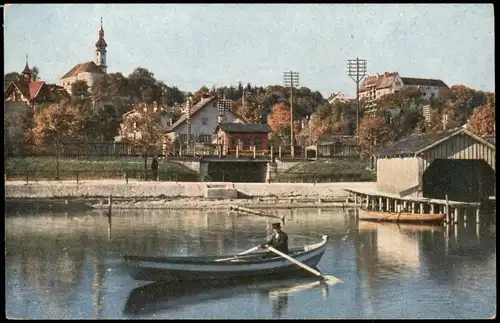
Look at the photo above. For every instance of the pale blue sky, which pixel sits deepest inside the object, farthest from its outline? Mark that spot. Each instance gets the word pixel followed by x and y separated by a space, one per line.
pixel 190 45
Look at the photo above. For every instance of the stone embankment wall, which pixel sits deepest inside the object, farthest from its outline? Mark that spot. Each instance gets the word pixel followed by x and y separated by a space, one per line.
pixel 118 188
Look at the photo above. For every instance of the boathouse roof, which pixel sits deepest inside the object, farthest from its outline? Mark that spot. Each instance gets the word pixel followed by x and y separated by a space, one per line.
pixel 418 143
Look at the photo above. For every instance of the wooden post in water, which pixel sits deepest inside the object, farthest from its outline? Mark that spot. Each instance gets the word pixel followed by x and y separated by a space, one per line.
pixel 456 216
pixel 432 208
pixel 388 205
pixel 412 207
pixel 373 203
pixel 396 206
pixel 421 208
pixel 447 209
pixel 477 215
pixel 380 204
pixel 110 205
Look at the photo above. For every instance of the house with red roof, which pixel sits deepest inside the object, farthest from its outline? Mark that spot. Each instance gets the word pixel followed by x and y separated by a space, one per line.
pixel 26 90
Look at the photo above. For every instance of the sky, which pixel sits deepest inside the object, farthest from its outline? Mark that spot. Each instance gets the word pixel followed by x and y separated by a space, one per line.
pixel 190 45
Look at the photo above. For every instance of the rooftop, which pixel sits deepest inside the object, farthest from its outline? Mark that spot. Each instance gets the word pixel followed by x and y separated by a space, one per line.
pixel 417 142
pixel 89 67
pixel 242 127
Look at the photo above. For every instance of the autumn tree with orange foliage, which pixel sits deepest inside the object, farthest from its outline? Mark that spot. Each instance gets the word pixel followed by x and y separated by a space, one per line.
pixel 55 124
pixel 374 134
pixel 279 117
pixel 143 129
pixel 482 120
pixel 279 121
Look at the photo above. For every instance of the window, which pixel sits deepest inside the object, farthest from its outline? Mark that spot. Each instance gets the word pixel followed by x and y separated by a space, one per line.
pixel 205 139
pixel 204 121
pixel 246 143
pixel 234 142
pixel 257 141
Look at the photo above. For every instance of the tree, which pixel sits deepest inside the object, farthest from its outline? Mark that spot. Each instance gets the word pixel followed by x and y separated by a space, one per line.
pixel 315 129
pixel 279 117
pixel 80 93
pixel 9 78
pixel 198 95
pixel 403 99
pixel 374 133
pixel 36 73
pixel 17 122
pixel 482 120
pixel 143 129
pixel 56 123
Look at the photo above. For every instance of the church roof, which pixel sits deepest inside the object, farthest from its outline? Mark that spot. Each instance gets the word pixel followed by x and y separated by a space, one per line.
pixel 89 67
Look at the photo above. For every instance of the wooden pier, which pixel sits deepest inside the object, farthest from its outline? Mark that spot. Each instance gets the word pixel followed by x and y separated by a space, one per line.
pixel 387 202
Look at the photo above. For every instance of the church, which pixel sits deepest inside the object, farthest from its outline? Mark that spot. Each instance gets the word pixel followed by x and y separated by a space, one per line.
pixel 88 71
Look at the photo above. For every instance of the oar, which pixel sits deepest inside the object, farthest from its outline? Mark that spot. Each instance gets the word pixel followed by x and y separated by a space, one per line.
pixel 240 254
pixel 300 264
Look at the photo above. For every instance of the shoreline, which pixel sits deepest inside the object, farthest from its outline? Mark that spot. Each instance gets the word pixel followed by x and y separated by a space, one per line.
pixel 68 196
pixel 30 205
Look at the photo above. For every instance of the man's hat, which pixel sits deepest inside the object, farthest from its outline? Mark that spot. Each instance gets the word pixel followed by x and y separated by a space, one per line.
pixel 277 225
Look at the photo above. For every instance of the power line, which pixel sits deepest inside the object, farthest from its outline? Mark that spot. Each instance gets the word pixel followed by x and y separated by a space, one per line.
pixel 357 70
pixel 291 79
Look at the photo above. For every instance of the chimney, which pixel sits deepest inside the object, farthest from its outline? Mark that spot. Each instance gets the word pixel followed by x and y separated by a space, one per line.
pixel 444 120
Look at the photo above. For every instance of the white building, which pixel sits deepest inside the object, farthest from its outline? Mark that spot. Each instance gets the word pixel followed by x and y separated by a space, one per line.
pixel 375 86
pixel 200 125
pixel 88 71
pixel 337 97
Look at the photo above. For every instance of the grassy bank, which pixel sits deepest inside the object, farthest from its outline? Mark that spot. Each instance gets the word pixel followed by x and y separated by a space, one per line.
pixel 45 168
pixel 328 170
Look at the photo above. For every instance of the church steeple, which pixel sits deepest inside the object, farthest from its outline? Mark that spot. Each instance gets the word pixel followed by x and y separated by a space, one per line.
pixel 27 72
pixel 100 52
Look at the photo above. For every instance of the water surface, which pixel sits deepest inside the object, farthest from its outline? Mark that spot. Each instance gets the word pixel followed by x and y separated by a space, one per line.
pixel 69 266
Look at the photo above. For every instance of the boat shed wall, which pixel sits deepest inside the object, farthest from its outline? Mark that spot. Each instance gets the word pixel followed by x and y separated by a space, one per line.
pixel 460 146
pixel 398 174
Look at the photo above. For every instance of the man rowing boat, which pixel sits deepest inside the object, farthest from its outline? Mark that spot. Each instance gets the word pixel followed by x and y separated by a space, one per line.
pixel 279 240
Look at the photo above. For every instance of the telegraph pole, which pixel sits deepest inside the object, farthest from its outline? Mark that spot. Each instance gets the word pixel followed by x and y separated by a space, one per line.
pixel 291 79
pixel 187 111
pixel 357 71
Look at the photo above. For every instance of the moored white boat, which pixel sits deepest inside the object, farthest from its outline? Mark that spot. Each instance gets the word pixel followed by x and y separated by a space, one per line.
pixel 222 267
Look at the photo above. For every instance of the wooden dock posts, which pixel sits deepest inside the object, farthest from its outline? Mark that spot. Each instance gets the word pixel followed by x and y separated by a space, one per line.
pixel 386 202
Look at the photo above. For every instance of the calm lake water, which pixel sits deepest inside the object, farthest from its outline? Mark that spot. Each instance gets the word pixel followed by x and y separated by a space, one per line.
pixel 69 266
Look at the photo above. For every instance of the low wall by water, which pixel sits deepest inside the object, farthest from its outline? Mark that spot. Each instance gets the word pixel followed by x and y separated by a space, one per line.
pixel 117 188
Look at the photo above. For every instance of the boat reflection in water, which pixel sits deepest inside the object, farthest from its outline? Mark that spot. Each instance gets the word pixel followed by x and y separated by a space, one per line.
pixel 160 296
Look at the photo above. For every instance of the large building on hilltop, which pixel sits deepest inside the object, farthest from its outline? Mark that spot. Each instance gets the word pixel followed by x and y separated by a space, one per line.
pixel 376 86
pixel 88 71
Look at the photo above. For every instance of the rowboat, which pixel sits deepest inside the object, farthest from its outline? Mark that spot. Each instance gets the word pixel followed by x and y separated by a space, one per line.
pixel 226 267
pixel 159 296
pixel 368 215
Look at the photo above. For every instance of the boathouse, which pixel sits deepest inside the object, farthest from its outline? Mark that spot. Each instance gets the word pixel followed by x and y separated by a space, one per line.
pixel 455 163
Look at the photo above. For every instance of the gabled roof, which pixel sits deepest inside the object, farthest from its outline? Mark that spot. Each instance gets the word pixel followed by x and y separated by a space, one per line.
pixel 326 139
pixel 380 81
pixel 244 127
pixel 423 82
pixel 89 67
pixel 418 143
pixel 197 107
pixel 34 88
pixel 490 139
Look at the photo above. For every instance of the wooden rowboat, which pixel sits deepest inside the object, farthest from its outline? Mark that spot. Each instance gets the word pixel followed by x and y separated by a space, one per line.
pixel 227 267
pixel 367 215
